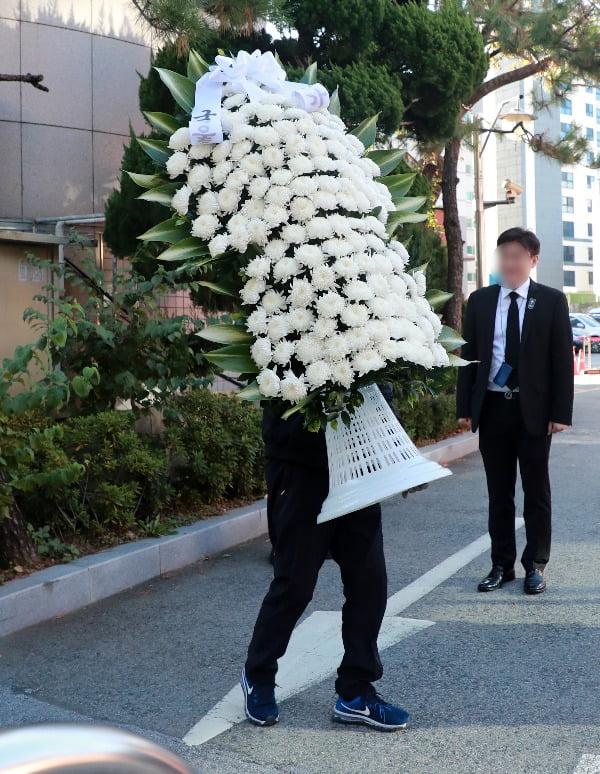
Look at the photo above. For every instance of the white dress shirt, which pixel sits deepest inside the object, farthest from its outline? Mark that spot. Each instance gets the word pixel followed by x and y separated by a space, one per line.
pixel 499 345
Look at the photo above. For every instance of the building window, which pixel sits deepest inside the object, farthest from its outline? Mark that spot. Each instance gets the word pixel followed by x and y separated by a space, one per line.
pixel 590 230
pixel 470 277
pixel 565 129
pixel 469 169
pixel 589 133
pixel 569 279
pixel 591 277
pixel 598 115
pixel 589 90
pixel 597 93
pixel 566 107
pixel 569 254
pixel 589 109
pixel 590 252
pixel 589 158
pixel 470 250
pixel 567 179
pixel 590 181
pixel 589 204
pixel 568 229
pixel 568 204
pixel 469 196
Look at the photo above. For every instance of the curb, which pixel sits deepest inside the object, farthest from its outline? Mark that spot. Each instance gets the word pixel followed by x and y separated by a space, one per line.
pixel 63 588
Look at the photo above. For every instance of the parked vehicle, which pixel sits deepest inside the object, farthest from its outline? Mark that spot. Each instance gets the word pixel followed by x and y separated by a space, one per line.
pixel 585 327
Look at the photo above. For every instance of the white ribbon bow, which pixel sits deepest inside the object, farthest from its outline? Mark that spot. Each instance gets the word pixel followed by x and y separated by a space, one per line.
pixel 254 75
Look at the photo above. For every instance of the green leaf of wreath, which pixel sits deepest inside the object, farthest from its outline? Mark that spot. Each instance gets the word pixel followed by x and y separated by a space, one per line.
pixel 158 150
pixel 235 357
pixel 196 66
pixel 386 160
pixel 437 298
pixel 163 122
pixel 225 334
pixel 450 339
pixel 162 194
pixel 250 392
pixel 191 247
pixel 399 185
pixel 182 89
pixel 367 131
pixel 167 231
pixel 146 181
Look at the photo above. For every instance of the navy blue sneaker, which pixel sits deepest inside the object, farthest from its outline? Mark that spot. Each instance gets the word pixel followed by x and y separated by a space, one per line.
pixel 259 702
pixel 371 710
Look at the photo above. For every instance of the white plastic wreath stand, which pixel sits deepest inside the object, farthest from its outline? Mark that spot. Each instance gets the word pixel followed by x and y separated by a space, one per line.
pixel 372 459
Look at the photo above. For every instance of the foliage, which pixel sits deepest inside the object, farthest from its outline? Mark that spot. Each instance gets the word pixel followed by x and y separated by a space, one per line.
pixel 215 446
pixel 430 418
pixel 50 546
pixel 120 348
pixel 439 58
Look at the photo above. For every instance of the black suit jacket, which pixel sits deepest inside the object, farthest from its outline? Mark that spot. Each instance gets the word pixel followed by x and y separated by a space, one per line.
pixel 545 362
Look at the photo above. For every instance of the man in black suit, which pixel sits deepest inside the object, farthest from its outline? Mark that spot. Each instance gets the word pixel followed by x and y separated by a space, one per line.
pixel 518 392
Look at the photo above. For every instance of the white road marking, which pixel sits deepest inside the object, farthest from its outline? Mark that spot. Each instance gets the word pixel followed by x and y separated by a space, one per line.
pixel 313 654
pixel 588 764
pixel 316 649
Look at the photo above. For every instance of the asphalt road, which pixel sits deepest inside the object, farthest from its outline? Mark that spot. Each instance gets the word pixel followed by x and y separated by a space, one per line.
pixel 500 683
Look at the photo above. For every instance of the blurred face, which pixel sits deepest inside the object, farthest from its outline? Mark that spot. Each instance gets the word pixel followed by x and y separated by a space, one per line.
pixel 515 263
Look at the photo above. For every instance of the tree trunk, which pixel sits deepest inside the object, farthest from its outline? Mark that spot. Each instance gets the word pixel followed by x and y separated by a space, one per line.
pixel 16 546
pixel 454 240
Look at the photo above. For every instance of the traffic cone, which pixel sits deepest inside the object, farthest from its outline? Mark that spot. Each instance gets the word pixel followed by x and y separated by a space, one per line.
pixel 575 362
pixel 581 369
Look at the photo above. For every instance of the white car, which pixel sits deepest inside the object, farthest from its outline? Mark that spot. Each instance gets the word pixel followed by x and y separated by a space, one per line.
pixel 585 326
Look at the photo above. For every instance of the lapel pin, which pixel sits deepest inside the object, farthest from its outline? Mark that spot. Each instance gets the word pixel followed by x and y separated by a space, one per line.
pixel 531 303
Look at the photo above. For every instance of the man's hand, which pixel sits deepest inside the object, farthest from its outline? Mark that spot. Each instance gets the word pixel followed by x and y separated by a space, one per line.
pixel 555 427
pixel 465 422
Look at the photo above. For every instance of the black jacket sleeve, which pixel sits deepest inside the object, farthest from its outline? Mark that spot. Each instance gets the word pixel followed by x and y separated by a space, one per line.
pixel 467 374
pixel 561 369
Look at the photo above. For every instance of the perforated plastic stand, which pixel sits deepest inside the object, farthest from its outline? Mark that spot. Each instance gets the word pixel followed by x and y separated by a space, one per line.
pixel 372 459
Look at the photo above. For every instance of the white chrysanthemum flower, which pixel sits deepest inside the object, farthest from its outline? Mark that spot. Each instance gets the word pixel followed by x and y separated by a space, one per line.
pixel 277 194
pixel 366 361
pixel 265 112
pixel 440 356
pixel 265 136
pixel 252 165
pixel 295 144
pixel 293 233
pixel 261 351
pixel 236 100
pixel 276 249
pixel 259 187
pixel 324 327
pixel 397 285
pixel 238 129
pixel 357 241
pixel 281 176
pixel 306 125
pixel 374 242
pixel 399 248
pixel 382 264
pixel 399 327
pixel 283 351
pixel 325 201
pixel 295 112
pixel 253 208
pixel 181 200
pixel 207 203
pixel 337 346
pixel 346 267
pixel 278 327
pixel 219 245
pixel 300 318
pixel 380 307
pixel 272 301
pixel 303 186
pixel 293 388
pixel 221 172
pixel 258 267
pixel 252 290
pixel 204 226
pixel 357 290
pixel 337 247
pixel 177 164
pixel 284 269
pixel 369 167
pixel 268 383
pixel 354 315
pixel 357 338
pixel 342 373
pixel 325 164
pixel 240 150
pixel 411 285
pixel 301 293
pixel 319 228
pixel 316 146
pixel 349 202
pixel 229 199
pixel 275 214
pixel 222 151
pixel 301 165
pixel 258 231
pixel 330 304
pixel 377 331
pixel 199 177
pixel 318 373
pixel 378 284
pixel 403 307
pixel 390 349
pixel 239 239
pixel 427 328
pixel 419 278
pixel 180 139
pixel 323 277
pixel 201 151
pixel 308 349
pixel 237 179
pixel 302 209
pixel 257 322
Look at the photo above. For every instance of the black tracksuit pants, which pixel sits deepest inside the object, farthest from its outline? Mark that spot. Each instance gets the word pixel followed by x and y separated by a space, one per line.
pixel 504 442
pixel 355 541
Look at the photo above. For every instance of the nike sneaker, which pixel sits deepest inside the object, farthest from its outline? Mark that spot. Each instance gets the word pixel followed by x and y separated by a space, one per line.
pixel 371 710
pixel 259 702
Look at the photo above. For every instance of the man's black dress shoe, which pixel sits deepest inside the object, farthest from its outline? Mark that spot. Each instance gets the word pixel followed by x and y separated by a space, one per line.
pixel 534 582
pixel 497 577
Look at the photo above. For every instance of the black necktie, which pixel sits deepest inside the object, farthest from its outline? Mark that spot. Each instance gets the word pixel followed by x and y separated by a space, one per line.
pixel 513 341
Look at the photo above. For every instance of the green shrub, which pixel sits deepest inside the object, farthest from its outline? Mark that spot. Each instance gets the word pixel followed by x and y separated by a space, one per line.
pixel 430 418
pixel 215 446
